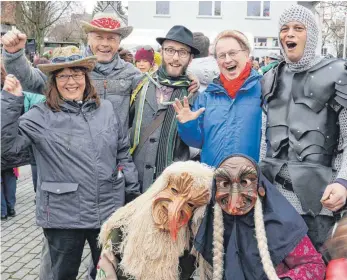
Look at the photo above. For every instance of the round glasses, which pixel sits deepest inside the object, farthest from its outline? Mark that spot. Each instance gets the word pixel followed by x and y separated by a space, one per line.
pixel 232 53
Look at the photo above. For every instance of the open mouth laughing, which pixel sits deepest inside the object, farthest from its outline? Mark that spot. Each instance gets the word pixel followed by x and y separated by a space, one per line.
pixel 291 45
pixel 231 68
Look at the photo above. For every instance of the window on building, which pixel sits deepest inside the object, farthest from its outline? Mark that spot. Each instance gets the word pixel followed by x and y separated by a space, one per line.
pixel 324 51
pixel 275 42
pixel 210 8
pixel 260 42
pixel 162 7
pixel 258 8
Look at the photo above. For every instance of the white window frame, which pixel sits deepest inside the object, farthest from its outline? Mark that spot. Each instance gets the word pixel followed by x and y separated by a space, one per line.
pixel 213 10
pixel 162 15
pixel 261 11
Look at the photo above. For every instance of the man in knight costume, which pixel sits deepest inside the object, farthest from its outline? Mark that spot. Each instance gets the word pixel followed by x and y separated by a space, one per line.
pixel 251 232
pixel 151 237
pixel 305 125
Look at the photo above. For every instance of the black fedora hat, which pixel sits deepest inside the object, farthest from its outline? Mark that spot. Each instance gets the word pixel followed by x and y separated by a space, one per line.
pixel 182 35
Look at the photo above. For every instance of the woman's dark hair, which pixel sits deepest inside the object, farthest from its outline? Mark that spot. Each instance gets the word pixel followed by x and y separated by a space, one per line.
pixel 3 74
pixel 53 97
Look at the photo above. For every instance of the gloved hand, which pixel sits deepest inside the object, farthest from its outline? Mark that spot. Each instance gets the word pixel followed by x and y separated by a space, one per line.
pixel 337 269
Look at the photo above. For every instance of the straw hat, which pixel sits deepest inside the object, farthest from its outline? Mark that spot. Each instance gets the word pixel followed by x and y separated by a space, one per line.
pixel 67 57
pixel 107 23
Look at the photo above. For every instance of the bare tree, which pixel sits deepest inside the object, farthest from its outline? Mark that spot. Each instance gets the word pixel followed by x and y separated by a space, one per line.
pixel 70 30
pixel 61 33
pixel 111 7
pixel 36 18
pixel 333 15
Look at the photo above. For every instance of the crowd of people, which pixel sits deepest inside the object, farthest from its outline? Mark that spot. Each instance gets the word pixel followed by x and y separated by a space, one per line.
pixel 189 160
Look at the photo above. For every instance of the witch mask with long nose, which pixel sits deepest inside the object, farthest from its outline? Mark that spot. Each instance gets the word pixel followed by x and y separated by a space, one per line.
pixel 173 207
pixel 237 185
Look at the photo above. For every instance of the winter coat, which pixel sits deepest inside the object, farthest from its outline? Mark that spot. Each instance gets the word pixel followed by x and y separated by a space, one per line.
pixel 77 150
pixel 145 157
pixel 115 83
pixel 228 125
pixel 30 99
pixel 26 156
pixel 263 70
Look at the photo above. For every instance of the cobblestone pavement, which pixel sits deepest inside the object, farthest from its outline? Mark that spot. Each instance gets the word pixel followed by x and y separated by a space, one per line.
pixel 21 239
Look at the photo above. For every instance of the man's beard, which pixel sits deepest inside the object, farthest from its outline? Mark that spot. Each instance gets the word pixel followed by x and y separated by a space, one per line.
pixel 182 72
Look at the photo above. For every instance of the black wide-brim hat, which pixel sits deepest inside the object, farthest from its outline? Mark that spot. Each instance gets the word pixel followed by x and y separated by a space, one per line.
pixel 181 35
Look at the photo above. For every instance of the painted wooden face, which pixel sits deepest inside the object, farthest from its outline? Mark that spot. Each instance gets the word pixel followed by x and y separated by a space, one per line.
pixel 173 207
pixel 237 183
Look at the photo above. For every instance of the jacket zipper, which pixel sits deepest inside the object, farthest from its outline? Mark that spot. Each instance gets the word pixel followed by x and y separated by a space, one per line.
pixel 105 88
pixel 95 169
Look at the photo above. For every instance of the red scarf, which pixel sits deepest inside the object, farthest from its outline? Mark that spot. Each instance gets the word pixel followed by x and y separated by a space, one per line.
pixel 233 86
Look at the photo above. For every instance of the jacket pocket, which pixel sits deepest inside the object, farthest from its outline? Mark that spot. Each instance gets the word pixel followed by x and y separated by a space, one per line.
pixel 118 186
pixel 63 202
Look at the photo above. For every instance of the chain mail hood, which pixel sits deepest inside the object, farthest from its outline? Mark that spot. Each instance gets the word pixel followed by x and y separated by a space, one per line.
pixel 305 16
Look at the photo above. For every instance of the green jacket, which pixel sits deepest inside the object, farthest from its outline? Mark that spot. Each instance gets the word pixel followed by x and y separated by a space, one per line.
pixel 31 99
pixel 268 67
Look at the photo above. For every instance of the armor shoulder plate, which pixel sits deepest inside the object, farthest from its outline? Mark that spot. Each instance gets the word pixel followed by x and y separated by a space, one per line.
pixel 320 82
pixel 341 84
pixel 269 81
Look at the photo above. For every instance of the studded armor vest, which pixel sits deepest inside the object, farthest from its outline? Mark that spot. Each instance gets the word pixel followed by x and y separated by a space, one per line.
pixel 302 129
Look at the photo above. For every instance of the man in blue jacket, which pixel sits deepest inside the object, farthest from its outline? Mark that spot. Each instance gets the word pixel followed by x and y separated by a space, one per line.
pixel 226 118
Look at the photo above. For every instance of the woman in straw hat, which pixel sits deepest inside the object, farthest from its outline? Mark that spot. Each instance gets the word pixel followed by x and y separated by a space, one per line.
pixel 85 171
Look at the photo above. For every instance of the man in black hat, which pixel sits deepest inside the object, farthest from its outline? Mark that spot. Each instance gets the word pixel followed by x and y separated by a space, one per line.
pixel 154 139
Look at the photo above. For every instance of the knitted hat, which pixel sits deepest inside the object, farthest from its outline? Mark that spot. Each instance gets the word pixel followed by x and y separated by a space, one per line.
pixel 202 43
pixel 146 53
pixel 237 35
pixel 107 23
pixel 67 57
pixel 305 16
pixel 272 55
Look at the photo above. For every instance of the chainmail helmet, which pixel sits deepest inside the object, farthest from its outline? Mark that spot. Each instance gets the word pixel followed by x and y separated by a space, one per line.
pixel 305 16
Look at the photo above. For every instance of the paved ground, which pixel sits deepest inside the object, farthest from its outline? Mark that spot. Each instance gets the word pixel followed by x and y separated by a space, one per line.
pixel 21 239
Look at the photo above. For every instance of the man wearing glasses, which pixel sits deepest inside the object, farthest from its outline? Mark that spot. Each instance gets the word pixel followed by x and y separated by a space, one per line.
pixel 154 139
pixel 113 78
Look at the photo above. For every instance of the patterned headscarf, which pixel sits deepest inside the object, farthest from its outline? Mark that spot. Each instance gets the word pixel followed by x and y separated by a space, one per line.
pixel 306 17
